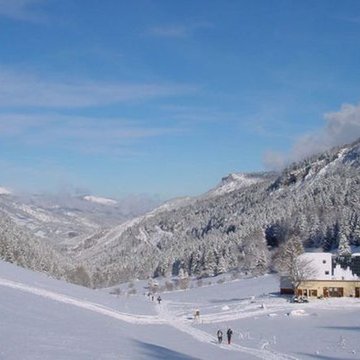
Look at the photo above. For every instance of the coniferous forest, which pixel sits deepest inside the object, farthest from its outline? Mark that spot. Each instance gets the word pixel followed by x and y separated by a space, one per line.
pixel 239 226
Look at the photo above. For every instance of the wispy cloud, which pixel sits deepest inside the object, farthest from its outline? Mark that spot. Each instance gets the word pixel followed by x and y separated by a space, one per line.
pixel 170 31
pixel 38 175
pixel 273 160
pixel 340 127
pixel 191 115
pixel 25 10
pixel 176 30
pixel 350 19
pixel 83 134
pixel 23 89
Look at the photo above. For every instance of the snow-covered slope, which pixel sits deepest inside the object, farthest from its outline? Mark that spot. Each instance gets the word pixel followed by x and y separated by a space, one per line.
pixel 43 318
pixel 234 182
pixel 238 224
pixel 66 220
pixel 100 200
pixel 4 191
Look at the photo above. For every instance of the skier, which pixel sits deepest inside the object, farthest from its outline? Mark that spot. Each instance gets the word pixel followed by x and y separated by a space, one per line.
pixel 219 336
pixel 159 299
pixel 229 334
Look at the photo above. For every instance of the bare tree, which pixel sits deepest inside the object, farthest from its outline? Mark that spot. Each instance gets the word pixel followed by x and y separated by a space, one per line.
pixel 290 263
pixel 301 270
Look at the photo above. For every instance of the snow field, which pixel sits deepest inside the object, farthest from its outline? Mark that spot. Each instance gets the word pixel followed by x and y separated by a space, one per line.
pixel 55 320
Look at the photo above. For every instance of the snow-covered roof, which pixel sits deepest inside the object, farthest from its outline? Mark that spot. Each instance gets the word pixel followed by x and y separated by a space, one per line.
pixel 325 266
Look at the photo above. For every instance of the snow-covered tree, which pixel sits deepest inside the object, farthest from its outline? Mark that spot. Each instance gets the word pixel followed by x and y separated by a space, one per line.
pixel 344 248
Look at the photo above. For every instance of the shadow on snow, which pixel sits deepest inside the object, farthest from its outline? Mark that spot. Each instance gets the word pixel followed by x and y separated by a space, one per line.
pixel 161 353
pixel 322 357
pixel 348 328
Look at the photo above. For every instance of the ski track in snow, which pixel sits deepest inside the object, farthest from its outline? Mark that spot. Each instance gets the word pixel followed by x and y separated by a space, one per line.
pixel 165 317
pixel 203 336
pixel 176 314
pixel 130 318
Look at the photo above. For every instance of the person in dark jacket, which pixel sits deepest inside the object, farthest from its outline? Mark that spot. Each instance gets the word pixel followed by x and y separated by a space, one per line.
pixel 229 334
pixel 159 299
pixel 219 336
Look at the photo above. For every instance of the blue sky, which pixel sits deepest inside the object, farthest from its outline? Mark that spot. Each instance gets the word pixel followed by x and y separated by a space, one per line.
pixel 166 97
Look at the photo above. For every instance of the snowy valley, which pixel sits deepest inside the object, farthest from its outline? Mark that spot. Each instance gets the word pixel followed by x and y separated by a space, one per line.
pixel 237 226
pixel 180 180
pixel 43 318
pixel 215 253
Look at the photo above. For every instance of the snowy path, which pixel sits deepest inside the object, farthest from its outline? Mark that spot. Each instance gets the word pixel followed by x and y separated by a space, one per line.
pixel 237 311
pixel 165 317
pixel 203 336
pixel 130 318
pixel 212 314
pixel 176 314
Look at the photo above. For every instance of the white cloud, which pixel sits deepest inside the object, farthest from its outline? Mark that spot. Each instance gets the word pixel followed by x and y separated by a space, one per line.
pixel 22 89
pixel 341 127
pixel 273 160
pixel 24 10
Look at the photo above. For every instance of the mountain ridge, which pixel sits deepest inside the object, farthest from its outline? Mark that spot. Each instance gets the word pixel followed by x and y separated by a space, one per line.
pixel 236 226
pixel 239 229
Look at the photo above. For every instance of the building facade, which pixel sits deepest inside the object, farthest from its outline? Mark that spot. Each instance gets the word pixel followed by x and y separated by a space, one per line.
pixel 331 276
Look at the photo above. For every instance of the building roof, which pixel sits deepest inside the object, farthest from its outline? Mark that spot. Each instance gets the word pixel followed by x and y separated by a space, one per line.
pixel 326 266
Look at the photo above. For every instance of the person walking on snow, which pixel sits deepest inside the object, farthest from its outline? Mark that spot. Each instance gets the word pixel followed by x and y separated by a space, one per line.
pixel 159 299
pixel 219 336
pixel 229 334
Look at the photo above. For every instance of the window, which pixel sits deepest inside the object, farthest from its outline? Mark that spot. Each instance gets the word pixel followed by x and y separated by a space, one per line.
pixel 336 292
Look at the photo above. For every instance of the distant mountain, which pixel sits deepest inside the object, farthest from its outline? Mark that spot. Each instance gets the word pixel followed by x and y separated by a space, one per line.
pixel 21 248
pixel 65 220
pixel 236 181
pixel 236 225
pixel 4 191
pixel 37 230
pixel 100 200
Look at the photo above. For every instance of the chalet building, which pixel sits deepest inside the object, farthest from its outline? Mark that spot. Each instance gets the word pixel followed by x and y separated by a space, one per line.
pixel 331 276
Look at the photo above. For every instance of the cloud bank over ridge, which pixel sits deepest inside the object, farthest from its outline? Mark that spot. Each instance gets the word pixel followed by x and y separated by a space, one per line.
pixel 340 127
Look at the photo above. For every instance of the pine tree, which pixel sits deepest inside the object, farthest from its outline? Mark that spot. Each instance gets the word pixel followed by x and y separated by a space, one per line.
pixel 344 248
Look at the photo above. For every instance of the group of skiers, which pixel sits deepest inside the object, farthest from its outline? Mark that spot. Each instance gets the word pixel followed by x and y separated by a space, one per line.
pixel 219 333
pixel 150 295
pixel 228 334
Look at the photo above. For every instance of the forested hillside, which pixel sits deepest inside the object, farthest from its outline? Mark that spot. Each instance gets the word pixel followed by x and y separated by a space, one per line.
pixel 23 249
pixel 237 226
pixel 316 199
